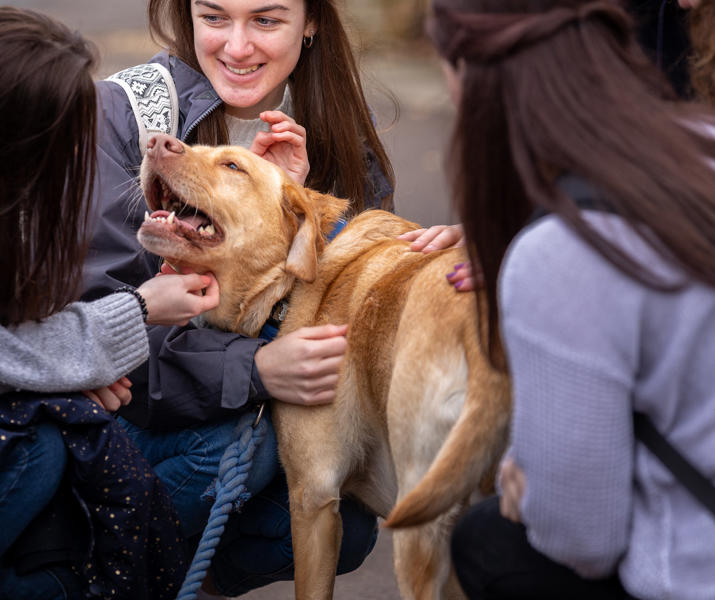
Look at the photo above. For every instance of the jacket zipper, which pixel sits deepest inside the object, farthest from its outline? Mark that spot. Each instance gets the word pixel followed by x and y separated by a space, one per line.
pixel 201 118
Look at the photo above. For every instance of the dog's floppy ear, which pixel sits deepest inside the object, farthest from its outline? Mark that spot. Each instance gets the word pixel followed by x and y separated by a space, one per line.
pixel 314 214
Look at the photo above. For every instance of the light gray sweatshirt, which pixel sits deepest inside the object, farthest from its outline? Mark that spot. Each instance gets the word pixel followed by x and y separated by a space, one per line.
pixel 586 346
pixel 82 347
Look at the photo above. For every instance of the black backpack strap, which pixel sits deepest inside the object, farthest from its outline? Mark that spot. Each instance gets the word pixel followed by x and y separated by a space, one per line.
pixel 693 480
pixel 585 195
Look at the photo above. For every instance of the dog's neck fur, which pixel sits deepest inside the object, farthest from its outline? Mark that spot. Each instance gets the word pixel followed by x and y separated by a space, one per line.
pixel 244 309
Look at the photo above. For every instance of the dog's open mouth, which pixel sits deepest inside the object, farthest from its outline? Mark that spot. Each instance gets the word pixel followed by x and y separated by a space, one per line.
pixel 174 215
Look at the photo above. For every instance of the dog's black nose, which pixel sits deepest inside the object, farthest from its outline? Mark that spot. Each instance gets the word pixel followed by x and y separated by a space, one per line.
pixel 162 142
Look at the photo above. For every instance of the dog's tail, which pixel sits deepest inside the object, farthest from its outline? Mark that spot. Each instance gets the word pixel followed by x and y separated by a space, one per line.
pixel 467 455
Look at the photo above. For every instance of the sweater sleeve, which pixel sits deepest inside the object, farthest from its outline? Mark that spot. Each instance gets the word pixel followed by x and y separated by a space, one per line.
pixel 85 346
pixel 570 325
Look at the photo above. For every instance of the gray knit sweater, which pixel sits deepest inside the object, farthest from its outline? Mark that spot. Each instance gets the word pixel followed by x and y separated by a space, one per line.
pixel 586 346
pixel 85 346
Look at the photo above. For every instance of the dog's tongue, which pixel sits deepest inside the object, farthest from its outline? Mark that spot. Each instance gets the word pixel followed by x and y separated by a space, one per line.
pixel 193 221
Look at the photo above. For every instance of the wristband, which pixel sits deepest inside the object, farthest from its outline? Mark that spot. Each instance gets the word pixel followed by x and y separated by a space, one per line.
pixel 142 303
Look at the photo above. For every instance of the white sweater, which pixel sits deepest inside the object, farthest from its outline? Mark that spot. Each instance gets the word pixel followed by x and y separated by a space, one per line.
pixel 586 346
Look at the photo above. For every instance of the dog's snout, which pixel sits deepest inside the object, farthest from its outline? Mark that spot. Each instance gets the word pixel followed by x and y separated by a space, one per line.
pixel 163 144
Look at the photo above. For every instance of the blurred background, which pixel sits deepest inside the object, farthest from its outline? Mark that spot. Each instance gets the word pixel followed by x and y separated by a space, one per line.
pixel 404 86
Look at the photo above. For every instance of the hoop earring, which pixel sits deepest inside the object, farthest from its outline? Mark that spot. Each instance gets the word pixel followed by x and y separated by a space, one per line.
pixel 308 41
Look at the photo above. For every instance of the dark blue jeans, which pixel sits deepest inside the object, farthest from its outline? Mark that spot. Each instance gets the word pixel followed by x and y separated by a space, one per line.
pixel 57 583
pixel 256 547
pixel 187 460
pixel 30 474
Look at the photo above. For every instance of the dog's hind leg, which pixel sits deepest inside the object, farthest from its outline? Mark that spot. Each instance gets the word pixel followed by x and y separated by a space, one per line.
pixel 422 561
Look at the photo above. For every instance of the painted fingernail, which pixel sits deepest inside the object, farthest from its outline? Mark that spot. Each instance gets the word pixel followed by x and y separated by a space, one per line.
pixel 459 266
pixel 459 283
pixel 452 274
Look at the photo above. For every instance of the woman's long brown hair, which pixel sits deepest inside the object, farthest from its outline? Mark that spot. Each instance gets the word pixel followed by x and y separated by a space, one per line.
pixel 702 61
pixel 559 86
pixel 327 95
pixel 47 150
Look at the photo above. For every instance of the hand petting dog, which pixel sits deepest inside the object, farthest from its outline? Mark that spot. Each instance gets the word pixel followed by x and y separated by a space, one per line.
pixel 302 366
pixel 438 237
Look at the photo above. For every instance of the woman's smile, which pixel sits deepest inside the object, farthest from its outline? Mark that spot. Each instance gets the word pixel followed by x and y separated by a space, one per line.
pixel 242 70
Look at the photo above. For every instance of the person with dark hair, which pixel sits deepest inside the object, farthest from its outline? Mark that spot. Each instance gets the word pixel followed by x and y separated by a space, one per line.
pixel 280 79
pixel 664 31
pixel 586 193
pixel 52 347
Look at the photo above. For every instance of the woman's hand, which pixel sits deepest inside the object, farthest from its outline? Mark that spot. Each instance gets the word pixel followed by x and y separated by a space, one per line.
pixel 437 237
pixel 463 278
pixel 175 299
pixel 302 366
pixel 284 145
pixel 112 397
pixel 512 482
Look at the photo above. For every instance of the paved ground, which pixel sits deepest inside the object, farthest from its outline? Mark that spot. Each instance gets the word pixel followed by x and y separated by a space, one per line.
pixel 415 137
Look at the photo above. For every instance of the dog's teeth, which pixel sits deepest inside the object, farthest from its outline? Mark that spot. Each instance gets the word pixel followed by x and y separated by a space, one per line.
pixel 171 217
pixel 209 229
pixel 146 216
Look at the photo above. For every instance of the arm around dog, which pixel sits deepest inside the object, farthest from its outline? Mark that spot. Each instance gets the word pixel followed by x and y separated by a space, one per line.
pixel 302 366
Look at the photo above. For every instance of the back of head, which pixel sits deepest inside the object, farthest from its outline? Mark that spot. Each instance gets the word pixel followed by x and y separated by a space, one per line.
pixel 561 86
pixel 47 120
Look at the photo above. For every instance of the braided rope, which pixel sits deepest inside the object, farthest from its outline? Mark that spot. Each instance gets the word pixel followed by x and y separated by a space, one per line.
pixel 231 494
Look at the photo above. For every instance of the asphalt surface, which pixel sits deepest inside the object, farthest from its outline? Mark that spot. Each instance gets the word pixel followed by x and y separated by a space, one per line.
pixel 405 89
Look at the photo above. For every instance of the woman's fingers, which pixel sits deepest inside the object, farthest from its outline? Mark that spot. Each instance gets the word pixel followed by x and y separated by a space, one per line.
pixel 302 367
pixel 512 482
pixel 110 397
pixel 411 236
pixel 437 237
pixel 284 145
pixel 464 278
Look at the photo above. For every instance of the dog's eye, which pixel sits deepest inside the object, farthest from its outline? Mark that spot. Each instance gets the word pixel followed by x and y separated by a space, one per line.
pixel 234 167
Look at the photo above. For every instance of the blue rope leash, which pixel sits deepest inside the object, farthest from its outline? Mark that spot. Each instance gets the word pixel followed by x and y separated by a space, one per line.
pixel 230 489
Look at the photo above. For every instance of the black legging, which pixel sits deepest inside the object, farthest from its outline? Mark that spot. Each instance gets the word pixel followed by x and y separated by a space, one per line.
pixel 494 561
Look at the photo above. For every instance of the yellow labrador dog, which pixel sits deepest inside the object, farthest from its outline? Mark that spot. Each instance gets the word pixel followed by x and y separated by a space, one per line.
pixel 419 417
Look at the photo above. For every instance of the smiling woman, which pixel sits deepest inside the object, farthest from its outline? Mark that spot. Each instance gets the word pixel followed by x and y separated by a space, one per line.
pixel 277 77
pixel 248 53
